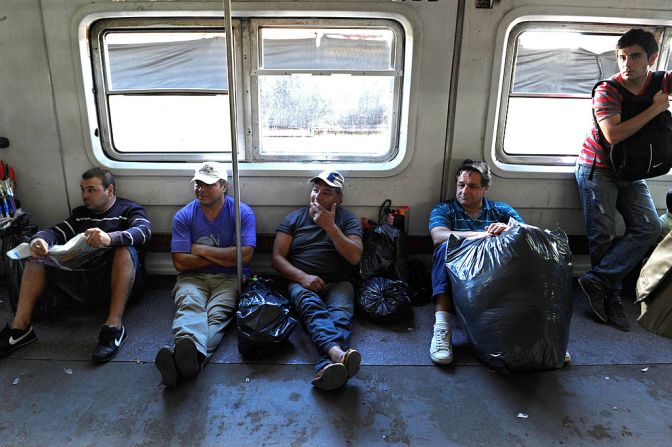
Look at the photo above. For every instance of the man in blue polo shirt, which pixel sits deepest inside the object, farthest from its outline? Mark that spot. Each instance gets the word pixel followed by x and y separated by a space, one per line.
pixel 469 215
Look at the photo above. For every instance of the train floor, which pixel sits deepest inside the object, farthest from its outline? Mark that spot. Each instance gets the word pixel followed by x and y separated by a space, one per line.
pixel 616 391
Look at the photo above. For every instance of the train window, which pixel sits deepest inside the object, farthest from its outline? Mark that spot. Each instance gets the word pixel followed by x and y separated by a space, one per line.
pixel 161 90
pixel 551 68
pixel 326 90
pixel 309 89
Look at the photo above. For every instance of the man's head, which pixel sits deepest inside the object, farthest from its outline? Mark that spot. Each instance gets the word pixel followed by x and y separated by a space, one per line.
pixel 210 183
pixel 473 181
pixel 636 50
pixel 327 188
pixel 98 189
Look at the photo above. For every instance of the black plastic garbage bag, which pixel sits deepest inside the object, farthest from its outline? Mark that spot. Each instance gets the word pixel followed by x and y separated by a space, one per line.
pixel 384 300
pixel 384 254
pixel 263 319
pixel 512 294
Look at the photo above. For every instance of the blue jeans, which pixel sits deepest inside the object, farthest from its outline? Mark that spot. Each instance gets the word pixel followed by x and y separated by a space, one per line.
pixel 440 279
pixel 327 315
pixel 610 258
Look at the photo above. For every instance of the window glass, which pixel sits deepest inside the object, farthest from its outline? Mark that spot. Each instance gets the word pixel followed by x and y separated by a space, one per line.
pixel 184 60
pixel 326 115
pixel 327 49
pixel 328 93
pixel 548 109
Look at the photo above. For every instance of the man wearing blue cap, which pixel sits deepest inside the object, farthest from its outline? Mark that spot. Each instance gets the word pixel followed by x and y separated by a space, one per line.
pixel 316 248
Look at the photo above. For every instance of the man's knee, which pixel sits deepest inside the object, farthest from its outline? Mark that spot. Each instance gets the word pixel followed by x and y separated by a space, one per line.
pixel 123 259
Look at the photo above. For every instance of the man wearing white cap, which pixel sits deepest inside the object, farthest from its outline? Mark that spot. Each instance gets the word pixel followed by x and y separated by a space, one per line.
pixel 203 247
pixel 316 248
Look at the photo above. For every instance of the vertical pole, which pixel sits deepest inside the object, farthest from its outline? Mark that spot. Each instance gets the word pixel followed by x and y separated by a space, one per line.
pixel 234 134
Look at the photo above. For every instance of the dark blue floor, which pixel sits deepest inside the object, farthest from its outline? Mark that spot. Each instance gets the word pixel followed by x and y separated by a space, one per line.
pixel 617 390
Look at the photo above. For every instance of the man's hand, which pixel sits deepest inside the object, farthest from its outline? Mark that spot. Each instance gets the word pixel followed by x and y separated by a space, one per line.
pixel 323 217
pixel 661 101
pixel 496 228
pixel 97 238
pixel 313 283
pixel 39 248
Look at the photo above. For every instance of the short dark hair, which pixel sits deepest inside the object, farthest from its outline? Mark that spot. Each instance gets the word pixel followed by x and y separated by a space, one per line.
pixel 668 200
pixel 103 174
pixel 475 166
pixel 638 36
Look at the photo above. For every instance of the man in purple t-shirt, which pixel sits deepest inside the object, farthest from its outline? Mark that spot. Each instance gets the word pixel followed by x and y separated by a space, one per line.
pixel 204 254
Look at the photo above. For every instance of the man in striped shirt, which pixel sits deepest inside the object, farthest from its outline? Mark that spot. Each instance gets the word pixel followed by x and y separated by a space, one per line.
pixel 602 194
pixel 117 228
pixel 469 215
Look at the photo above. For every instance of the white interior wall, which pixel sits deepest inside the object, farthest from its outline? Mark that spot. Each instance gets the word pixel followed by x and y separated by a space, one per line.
pixel 27 116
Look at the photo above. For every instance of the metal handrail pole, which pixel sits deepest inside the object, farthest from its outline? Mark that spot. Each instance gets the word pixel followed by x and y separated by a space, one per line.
pixel 234 135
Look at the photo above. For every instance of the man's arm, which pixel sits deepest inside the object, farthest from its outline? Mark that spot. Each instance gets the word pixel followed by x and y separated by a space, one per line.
pixel 184 262
pixel 442 234
pixel 615 130
pixel 224 256
pixel 349 247
pixel 281 246
pixel 139 229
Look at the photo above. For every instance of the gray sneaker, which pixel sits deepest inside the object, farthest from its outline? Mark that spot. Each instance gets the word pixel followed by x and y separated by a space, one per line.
pixel 441 349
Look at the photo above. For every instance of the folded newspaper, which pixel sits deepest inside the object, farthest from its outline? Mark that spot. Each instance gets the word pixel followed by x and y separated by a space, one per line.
pixel 73 255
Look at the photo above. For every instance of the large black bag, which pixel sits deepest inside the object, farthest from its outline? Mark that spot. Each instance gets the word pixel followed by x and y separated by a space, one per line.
pixel 263 319
pixel 512 294
pixel 647 153
pixel 384 254
pixel 384 300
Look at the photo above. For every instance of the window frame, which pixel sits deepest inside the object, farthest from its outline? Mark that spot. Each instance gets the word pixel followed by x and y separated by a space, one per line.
pixel 246 49
pixel 100 72
pixel 253 149
pixel 537 23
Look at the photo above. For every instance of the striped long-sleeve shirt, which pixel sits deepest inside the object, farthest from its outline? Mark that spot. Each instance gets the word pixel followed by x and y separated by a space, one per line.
pixel 125 222
pixel 607 102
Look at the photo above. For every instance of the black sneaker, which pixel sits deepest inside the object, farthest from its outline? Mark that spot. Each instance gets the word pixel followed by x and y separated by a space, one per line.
pixel 110 340
pixel 165 363
pixel 614 309
pixel 595 294
pixel 13 339
pixel 187 358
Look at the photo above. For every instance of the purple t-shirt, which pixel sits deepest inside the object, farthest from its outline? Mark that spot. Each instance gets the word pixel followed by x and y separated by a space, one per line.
pixel 190 226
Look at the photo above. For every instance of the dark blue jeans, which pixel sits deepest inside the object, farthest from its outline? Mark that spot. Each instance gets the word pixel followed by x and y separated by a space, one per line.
pixel 327 315
pixel 611 258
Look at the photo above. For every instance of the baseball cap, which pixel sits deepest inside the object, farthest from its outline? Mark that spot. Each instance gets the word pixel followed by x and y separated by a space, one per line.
pixel 331 178
pixel 210 172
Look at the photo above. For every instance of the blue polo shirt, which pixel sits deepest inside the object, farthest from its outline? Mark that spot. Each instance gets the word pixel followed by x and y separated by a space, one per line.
pixel 451 215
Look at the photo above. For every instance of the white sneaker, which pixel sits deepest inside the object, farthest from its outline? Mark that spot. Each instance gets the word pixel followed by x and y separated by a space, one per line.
pixel 441 349
pixel 568 357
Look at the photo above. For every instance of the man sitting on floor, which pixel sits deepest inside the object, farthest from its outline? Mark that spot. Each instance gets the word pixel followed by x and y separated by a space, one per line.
pixel 117 227
pixel 316 248
pixel 469 215
pixel 204 253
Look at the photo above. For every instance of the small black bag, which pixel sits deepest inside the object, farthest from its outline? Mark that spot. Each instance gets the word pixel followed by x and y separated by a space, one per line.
pixel 384 300
pixel 647 153
pixel 263 319
pixel 384 254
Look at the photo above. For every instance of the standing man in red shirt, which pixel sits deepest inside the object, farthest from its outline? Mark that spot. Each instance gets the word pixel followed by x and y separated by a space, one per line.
pixel 602 194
